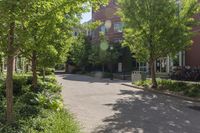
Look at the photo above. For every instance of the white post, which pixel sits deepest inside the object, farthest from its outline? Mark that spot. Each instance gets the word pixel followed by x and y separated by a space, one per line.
pixel 147 67
pixel 168 64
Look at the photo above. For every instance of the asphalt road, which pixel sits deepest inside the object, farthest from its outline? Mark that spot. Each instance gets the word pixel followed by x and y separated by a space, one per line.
pixel 104 106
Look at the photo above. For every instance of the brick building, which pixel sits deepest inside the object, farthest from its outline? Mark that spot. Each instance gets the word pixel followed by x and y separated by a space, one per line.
pixel 114 34
pixel 193 53
pixel 190 57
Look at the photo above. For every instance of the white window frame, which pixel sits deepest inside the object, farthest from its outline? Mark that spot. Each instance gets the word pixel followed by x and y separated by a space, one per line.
pixel 118 27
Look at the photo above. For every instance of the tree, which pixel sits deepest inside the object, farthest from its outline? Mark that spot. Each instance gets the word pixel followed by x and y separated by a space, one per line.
pixel 157 28
pixel 57 18
pixel 45 32
pixel 16 35
pixel 79 51
pixel 103 54
pixel 12 16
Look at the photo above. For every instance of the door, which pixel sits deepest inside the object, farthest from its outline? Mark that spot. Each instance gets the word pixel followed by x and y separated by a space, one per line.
pixel 161 65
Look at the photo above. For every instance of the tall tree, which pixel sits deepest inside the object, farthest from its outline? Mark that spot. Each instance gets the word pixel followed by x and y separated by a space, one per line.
pixel 157 28
pixel 99 56
pixel 12 15
pixel 16 17
pixel 52 23
pixel 79 51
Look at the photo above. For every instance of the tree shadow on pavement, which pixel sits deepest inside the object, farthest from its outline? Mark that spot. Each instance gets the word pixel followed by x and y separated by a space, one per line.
pixel 83 78
pixel 144 112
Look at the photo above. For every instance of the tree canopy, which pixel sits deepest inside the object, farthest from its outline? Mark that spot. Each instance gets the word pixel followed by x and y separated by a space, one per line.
pixel 157 28
pixel 40 30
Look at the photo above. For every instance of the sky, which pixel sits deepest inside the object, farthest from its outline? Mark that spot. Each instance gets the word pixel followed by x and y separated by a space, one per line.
pixel 86 17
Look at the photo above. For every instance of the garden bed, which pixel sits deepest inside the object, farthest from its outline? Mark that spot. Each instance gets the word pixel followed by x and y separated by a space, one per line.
pixel 36 111
pixel 187 89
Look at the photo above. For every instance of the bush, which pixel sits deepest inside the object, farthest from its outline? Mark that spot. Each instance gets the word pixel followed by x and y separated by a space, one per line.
pixel 185 88
pixel 145 83
pixel 19 81
pixel 37 111
pixel 62 122
pixel 50 101
pixel 194 91
pixel 172 85
pixel 50 87
pixel 47 122
pixel 29 98
pixel 57 122
pixel 48 71
pixel 29 110
pixel 51 79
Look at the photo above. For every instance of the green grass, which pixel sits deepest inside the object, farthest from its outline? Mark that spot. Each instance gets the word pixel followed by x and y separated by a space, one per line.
pixel 60 122
pixel 184 88
pixel 47 122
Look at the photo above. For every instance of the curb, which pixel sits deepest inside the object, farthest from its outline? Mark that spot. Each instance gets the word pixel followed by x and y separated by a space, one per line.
pixel 163 93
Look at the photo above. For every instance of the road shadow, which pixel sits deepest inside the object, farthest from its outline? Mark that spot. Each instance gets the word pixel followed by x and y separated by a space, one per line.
pixel 144 112
pixel 89 79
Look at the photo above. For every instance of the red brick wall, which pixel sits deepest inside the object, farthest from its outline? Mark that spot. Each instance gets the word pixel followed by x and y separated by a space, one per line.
pixel 193 54
pixel 107 13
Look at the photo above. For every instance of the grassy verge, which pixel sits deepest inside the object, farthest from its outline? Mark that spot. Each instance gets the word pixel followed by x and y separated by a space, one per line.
pixel 183 88
pixel 36 110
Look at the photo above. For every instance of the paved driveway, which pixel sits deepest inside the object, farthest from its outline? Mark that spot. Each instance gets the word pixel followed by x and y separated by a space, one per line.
pixel 102 106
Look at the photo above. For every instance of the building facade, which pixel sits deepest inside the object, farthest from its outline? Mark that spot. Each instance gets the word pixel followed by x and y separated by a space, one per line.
pixel 190 57
pixel 193 53
pixel 108 13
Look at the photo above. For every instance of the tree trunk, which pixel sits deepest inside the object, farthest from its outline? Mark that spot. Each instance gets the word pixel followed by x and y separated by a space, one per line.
pixel 34 69
pixel 153 75
pixel 9 78
pixel 9 88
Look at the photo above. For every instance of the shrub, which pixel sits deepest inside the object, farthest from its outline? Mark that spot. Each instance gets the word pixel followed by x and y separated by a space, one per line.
pixel 186 88
pixel 172 85
pixel 51 79
pixel 29 80
pixel 145 83
pixel 194 91
pixel 29 98
pixel 37 111
pixel 19 81
pixel 63 123
pixel 48 71
pixel 59 122
pixel 28 110
pixel 49 101
pixel 50 87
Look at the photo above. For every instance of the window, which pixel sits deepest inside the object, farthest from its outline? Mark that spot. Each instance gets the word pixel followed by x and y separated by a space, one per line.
pixel 117 40
pixel 103 29
pixel 142 67
pixel 118 27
